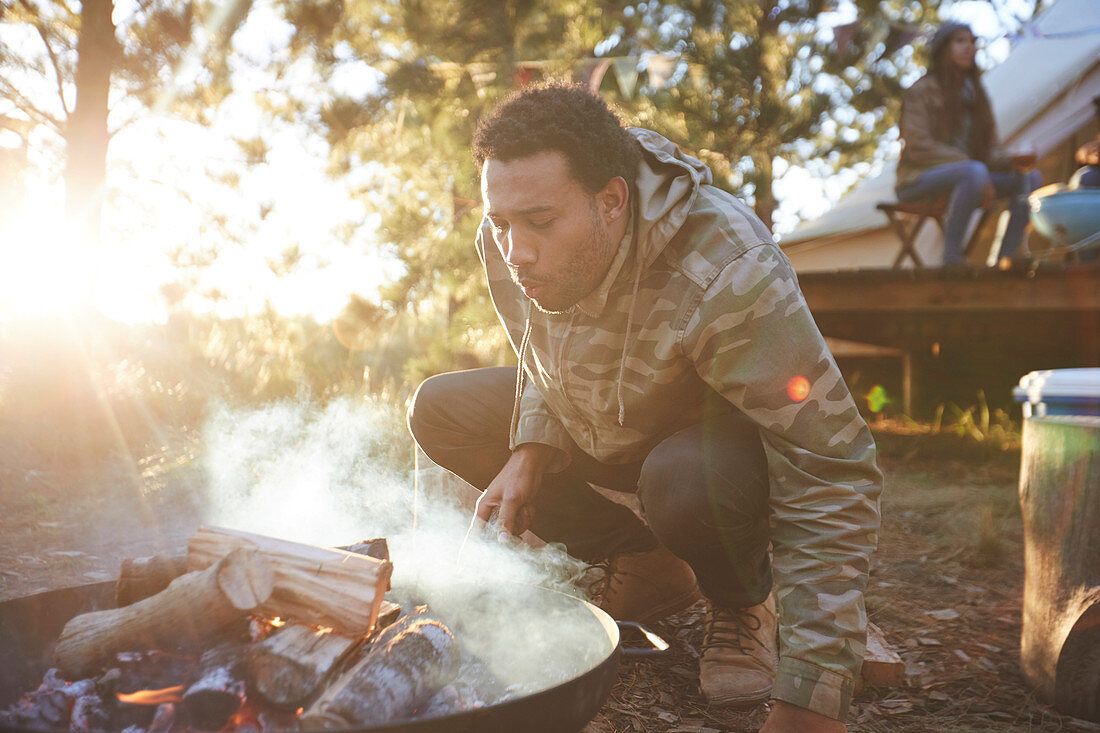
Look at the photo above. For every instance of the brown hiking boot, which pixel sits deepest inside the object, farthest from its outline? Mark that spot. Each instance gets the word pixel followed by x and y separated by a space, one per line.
pixel 645 586
pixel 739 654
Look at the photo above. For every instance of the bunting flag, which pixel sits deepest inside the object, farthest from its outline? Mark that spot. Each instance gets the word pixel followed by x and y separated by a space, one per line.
pixel 899 35
pixel 844 35
pixel 523 76
pixel 659 69
pixel 698 75
pixel 626 74
pixel 590 72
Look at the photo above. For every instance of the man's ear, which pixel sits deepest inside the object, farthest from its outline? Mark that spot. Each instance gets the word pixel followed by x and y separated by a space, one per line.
pixel 612 199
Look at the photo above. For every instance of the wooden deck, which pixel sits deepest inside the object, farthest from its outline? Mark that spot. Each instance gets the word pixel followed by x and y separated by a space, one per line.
pixel 979 326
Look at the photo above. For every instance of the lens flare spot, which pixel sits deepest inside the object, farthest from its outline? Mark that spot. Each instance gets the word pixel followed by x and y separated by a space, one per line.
pixel 877 398
pixel 798 388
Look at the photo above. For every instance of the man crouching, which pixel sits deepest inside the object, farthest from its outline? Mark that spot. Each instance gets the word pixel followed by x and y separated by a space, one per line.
pixel 665 349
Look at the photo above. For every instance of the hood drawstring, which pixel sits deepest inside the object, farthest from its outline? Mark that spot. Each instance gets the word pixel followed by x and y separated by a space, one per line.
pixel 626 336
pixel 520 376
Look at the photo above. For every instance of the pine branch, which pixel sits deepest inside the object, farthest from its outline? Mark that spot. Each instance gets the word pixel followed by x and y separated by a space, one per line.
pixel 50 52
pixel 30 108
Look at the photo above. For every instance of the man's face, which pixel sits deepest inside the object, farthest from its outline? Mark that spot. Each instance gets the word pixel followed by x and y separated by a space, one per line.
pixel 553 234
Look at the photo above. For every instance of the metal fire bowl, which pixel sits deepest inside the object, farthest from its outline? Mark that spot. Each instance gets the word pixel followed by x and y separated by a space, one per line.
pixel 29 628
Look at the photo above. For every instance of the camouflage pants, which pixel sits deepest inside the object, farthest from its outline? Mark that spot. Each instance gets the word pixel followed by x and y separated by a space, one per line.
pixel 703 489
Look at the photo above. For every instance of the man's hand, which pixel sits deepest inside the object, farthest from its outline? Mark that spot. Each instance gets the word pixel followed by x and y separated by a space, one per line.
pixel 512 493
pixel 1089 153
pixel 1024 161
pixel 787 718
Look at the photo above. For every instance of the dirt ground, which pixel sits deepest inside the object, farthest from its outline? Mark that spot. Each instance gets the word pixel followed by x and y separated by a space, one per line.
pixel 945 586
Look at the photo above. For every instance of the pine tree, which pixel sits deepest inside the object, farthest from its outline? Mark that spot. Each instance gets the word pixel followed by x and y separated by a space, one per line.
pixel 83 74
pixel 756 82
pixel 442 65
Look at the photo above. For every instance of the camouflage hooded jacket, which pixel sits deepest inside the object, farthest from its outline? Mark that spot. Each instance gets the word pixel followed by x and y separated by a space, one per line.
pixel 700 299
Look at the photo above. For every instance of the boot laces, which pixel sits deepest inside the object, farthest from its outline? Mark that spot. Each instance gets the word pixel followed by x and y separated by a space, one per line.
pixel 600 578
pixel 732 628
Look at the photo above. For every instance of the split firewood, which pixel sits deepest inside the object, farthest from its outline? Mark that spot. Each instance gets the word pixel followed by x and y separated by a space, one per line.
pixel 882 667
pixel 217 691
pixel 288 668
pixel 313 585
pixel 142 577
pixel 391 680
pixel 377 548
pixel 194 607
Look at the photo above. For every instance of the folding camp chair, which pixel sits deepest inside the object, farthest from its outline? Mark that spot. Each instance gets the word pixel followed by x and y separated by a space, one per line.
pixel 908 218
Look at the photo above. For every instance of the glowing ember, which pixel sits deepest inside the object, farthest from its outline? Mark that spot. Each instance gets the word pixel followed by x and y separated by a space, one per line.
pixel 153 697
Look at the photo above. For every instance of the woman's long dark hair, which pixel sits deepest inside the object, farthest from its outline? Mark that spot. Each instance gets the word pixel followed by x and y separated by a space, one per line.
pixel 951 81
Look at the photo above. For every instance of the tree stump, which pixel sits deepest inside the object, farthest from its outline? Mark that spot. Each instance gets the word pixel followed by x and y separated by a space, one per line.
pixel 1060 502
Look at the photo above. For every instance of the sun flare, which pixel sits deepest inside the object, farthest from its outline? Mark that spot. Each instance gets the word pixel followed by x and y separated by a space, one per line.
pixel 44 269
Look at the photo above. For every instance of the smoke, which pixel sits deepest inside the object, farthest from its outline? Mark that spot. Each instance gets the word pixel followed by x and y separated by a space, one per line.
pixel 340 473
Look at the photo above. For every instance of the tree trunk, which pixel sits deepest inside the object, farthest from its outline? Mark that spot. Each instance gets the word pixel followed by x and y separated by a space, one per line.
pixel 86 134
pixel 764 205
pixel 771 79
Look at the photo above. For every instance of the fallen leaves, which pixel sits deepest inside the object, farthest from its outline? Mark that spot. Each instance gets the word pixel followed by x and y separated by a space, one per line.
pixel 943 614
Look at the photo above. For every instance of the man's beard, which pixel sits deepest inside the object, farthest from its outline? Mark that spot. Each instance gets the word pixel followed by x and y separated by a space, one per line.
pixel 580 276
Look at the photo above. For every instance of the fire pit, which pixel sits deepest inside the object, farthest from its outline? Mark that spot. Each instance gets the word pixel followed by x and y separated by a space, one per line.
pixel 556 654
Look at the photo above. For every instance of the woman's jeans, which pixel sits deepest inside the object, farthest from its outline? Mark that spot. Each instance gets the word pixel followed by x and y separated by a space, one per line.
pixel 966 182
pixel 703 489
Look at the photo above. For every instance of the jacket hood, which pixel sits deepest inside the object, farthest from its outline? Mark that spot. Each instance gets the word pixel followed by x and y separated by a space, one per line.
pixel 667 183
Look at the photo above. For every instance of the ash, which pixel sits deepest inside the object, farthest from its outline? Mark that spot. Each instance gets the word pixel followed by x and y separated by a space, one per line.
pixel 91 705
pixel 474 687
pixel 57 704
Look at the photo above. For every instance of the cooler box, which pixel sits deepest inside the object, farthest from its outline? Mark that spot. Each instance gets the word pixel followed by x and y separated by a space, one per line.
pixel 1060 505
pixel 1060 392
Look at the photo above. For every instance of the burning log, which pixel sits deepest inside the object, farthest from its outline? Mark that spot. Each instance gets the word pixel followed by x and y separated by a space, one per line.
pixel 289 667
pixel 142 577
pixel 193 607
pixel 391 681
pixel 164 718
pixel 313 585
pixel 218 689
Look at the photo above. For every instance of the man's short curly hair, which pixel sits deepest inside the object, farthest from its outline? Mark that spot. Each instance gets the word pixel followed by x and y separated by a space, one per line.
pixel 566 118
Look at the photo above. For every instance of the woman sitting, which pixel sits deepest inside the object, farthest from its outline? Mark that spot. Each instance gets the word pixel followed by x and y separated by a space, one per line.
pixel 950 146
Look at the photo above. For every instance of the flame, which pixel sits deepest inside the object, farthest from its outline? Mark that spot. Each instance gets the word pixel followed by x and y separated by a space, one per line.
pixel 153 697
pixel 246 715
pixel 277 622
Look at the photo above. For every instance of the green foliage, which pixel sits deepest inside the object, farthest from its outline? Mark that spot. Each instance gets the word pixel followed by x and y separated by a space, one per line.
pixel 444 64
pixel 760 82
pixel 66 401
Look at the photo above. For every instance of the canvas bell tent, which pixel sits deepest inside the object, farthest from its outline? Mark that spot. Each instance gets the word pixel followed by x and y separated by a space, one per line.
pixel 1042 96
